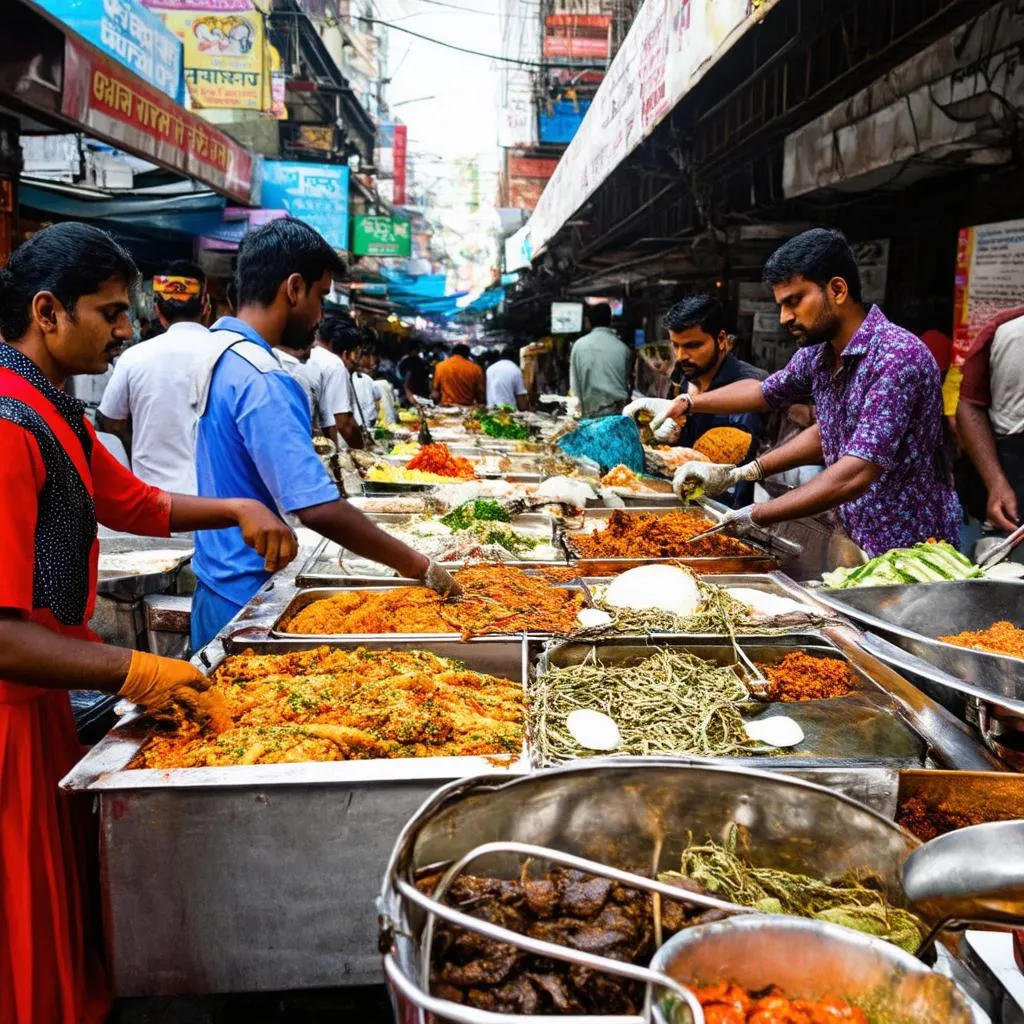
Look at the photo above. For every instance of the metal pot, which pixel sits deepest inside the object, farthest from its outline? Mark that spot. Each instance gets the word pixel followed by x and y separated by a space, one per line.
pixel 811 960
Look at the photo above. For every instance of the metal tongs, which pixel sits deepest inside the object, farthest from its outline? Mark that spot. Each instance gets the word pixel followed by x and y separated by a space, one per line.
pixel 1002 549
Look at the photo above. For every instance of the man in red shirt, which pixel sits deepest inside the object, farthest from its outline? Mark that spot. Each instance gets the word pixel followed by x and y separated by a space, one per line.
pixel 64 305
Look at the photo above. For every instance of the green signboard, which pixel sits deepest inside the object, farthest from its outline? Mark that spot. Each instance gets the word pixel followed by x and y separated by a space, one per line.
pixel 381 236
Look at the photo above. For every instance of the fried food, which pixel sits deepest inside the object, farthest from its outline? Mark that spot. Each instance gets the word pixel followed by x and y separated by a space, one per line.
pixel 341 705
pixel 624 478
pixel 728 446
pixel 1000 638
pixel 642 535
pixel 801 677
pixel 438 459
pixel 497 599
pixel 726 1003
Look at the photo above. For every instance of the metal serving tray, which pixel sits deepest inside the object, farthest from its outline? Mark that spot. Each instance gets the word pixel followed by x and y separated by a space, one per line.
pixel 302 598
pixel 762 560
pixel 884 722
pixel 257 878
pixel 986 796
pixel 122 586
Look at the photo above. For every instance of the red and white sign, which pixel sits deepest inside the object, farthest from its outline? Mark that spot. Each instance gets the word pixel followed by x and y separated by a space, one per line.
pixel 401 147
pixel 114 105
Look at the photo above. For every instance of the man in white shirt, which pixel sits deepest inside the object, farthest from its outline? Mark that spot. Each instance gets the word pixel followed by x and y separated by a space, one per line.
pixel 147 402
pixel 368 391
pixel 310 376
pixel 505 384
pixel 334 335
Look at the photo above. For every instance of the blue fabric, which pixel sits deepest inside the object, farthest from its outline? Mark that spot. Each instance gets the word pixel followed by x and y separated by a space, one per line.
pixel 210 614
pixel 609 440
pixel 254 441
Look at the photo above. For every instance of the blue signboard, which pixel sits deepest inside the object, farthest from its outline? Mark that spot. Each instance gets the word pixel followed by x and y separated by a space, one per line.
pixel 563 121
pixel 131 34
pixel 315 193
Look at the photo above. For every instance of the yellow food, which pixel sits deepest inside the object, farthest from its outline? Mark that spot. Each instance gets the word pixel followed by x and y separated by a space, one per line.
pixel 385 473
pixel 725 445
pixel 339 705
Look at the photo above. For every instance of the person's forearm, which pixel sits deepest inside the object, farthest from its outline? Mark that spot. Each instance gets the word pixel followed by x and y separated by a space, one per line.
pixel 345 525
pixel 802 450
pixel 523 403
pixel 847 479
pixel 742 396
pixel 37 656
pixel 191 513
pixel 331 433
pixel 119 428
pixel 980 443
pixel 349 429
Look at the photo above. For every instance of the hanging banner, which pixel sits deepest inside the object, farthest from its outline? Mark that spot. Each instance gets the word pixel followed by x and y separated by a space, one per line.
pixel 314 193
pixel 199 5
pixel 381 236
pixel 224 57
pixel 401 145
pixel 111 104
pixel 989 279
pixel 132 35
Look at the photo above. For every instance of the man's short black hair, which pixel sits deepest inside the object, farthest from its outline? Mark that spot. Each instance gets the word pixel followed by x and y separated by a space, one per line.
pixel 177 310
pixel 817 255
pixel 599 314
pixel 461 350
pixel 70 260
pixel 271 254
pixel 703 311
pixel 340 333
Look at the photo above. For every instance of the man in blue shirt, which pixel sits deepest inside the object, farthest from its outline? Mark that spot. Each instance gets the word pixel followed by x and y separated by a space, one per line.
pixel 254 435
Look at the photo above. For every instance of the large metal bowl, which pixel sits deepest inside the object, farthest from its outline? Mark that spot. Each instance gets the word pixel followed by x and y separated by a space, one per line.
pixel 811 960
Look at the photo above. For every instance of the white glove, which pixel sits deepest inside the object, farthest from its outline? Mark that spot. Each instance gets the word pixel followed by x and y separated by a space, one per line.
pixel 423 403
pixel 696 478
pixel 740 522
pixel 667 430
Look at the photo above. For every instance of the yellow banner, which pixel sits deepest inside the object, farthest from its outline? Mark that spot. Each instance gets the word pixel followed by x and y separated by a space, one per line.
pixel 224 57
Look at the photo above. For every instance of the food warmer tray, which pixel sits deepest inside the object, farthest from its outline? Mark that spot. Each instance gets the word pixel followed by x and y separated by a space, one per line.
pixel 761 560
pixel 257 878
pixel 322 568
pixel 125 586
pixel 884 722
pixel 305 597
pixel 633 813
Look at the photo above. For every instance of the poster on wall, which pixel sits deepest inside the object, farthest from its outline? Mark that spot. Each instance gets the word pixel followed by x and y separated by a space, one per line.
pixel 224 57
pixel 315 193
pixel 989 279
pixel 566 317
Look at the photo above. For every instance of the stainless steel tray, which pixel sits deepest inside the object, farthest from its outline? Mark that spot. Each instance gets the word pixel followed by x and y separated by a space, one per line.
pixel 984 796
pixel 123 586
pixel 762 560
pixel 302 598
pixel 884 722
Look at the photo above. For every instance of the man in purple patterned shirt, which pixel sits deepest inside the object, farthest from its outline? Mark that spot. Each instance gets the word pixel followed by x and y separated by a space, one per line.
pixel 879 403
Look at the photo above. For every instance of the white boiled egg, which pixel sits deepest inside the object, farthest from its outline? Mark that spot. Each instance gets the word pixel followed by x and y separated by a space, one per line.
pixel 664 588
pixel 775 730
pixel 594 730
pixel 761 602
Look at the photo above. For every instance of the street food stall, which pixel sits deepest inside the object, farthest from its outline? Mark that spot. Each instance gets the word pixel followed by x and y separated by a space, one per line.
pixel 605 690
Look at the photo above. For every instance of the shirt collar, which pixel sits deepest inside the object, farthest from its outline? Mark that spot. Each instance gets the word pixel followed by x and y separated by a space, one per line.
pixel 865 334
pixel 232 323
pixel 70 409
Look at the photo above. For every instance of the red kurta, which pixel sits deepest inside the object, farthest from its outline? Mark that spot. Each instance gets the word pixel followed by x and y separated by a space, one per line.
pixel 51 962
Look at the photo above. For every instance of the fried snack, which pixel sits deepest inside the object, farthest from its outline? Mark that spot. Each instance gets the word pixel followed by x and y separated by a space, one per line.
pixel 340 705
pixel 999 638
pixel 624 478
pixel 496 599
pixel 801 677
pixel 438 459
pixel 727 446
pixel 631 535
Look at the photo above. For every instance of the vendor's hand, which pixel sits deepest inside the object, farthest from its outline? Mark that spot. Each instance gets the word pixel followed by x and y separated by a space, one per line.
pixel 423 403
pixel 740 522
pixel 676 412
pixel 664 428
pixel 696 478
pixel 262 530
pixel 438 578
pixel 1001 509
pixel 156 684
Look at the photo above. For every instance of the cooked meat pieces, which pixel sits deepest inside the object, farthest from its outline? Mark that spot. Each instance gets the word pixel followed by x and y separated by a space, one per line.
pixel 582 896
pixel 542 897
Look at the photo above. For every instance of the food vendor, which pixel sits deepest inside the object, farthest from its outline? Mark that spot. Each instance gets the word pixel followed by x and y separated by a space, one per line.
pixel 65 298
pixel 704 362
pixel 254 427
pixel 878 398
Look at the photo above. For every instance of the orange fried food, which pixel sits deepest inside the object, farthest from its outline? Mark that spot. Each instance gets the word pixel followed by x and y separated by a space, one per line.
pixel 437 458
pixel 497 599
pixel 727 1003
pixel 633 535
pixel 1000 638
pixel 338 705
pixel 802 677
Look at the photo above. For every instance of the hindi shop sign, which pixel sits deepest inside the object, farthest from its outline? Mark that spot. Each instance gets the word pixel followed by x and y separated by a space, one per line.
pixel 112 105
pixel 129 33
pixel 314 193
pixel 381 236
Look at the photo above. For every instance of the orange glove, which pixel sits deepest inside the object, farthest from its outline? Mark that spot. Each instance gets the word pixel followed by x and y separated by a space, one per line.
pixel 156 683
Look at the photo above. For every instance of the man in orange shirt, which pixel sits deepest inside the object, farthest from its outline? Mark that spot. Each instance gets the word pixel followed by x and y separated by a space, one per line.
pixel 458 380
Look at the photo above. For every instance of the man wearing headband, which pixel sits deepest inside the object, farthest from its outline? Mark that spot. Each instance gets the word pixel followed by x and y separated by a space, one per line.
pixel 147 402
